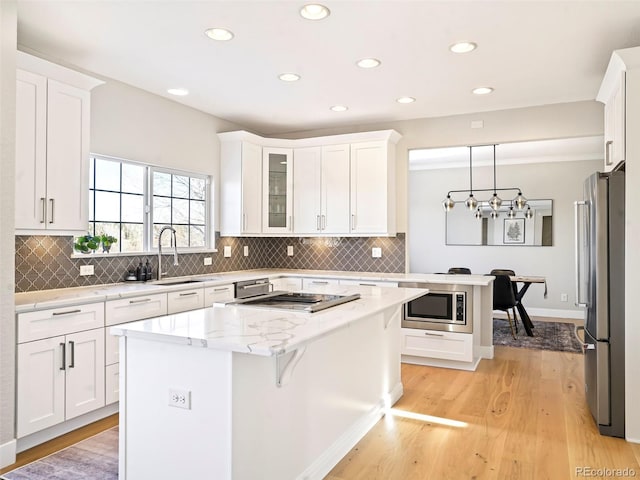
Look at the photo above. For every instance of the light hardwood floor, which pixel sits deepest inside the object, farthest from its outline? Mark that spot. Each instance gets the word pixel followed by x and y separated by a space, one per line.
pixel 520 416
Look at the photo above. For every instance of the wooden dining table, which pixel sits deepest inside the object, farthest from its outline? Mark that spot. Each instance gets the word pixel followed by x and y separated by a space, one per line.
pixel 526 281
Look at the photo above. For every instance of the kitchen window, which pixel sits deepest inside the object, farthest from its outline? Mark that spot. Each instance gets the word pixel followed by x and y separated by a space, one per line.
pixel 133 201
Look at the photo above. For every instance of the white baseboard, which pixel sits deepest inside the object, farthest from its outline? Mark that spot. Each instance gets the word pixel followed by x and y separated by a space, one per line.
pixel 484 351
pixel 341 447
pixel 437 362
pixel 8 453
pixel 548 312
pixel 632 440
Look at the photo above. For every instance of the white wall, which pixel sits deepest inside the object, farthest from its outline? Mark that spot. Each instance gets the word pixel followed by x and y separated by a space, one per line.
pixel 8 26
pixel 133 124
pixel 561 182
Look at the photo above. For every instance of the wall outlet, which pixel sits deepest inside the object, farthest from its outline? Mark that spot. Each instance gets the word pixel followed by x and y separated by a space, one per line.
pixel 180 398
pixel 86 270
pixel 208 261
pixel 289 250
pixel 564 297
pixel 376 252
pixel 245 250
pixel 227 251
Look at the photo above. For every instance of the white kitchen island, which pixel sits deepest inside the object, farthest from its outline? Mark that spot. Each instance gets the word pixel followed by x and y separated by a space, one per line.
pixel 270 394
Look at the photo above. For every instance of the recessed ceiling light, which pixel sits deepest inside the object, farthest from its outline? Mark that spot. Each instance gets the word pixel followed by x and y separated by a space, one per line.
pixel 181 92
pixel 289 77
pixel 339 108
pixel 482 90
pixel 220 34
pixel 368 63
pixel 405 100
pixel 314 11
pixel 463 47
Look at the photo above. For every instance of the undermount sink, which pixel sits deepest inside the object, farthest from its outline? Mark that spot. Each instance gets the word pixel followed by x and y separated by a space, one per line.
pixel 175 282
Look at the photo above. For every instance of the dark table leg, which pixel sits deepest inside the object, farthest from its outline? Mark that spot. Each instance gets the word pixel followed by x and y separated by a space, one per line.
pixel 526 321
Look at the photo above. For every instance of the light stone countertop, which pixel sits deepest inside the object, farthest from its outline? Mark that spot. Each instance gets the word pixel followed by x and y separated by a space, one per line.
pixel 264 331
pixel 63 297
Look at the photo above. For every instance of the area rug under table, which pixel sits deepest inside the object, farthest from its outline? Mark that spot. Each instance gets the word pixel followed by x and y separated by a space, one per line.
pixel 95 458
pixel 547 336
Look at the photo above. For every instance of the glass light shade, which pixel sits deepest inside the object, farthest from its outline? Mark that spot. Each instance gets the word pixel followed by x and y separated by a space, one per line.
pixel 511 213
pixel 528 214
pixel 478 214
pixel 494 214
pixel 448 203
pixel 495 202
pixel 520 201
pixel 471 202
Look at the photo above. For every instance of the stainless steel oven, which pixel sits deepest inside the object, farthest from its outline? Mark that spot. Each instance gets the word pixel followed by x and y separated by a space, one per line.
pixel 445 307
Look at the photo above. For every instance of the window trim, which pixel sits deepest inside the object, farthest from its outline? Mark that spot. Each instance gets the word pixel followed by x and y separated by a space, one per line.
pixel 147 224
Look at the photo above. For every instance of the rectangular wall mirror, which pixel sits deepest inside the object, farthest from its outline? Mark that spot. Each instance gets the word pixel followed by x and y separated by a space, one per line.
pixel 463 228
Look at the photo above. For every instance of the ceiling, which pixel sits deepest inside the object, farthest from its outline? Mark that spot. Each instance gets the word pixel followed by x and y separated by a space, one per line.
pixel 530 52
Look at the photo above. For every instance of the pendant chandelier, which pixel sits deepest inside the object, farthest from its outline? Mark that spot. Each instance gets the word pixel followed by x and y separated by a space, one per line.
pixel 495 202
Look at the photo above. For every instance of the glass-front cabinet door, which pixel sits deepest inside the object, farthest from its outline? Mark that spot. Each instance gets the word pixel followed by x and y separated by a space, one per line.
pixel 277 190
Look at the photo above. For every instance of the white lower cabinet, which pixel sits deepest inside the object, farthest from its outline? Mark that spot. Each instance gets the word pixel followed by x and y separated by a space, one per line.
pixel 367 283
pixel 185 300
pixel 136 308
pixel 218 294
pixel 112 383
pixel 437 344
pixel 318 284
pixel 59 378
pixel 288 284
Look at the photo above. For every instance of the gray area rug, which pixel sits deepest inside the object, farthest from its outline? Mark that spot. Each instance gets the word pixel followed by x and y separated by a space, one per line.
pixel 95 458
pixel 547 336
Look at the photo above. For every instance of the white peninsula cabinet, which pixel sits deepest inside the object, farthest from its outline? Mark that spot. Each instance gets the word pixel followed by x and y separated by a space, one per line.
pixel 52 146
pixel 60 358
pixel 321 190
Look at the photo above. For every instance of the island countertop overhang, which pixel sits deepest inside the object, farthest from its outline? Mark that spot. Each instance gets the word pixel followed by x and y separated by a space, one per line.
pixel 261 331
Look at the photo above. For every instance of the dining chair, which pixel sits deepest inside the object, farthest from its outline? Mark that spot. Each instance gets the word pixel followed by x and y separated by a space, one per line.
pixel 514 285
pixel 504 299
pixel 460 270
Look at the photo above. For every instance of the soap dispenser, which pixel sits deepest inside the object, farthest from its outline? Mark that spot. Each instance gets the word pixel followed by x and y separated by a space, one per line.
pixel 148 268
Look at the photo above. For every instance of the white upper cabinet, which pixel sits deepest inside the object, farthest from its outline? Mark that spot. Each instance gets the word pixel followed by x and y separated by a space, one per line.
pixel 52 147
pixel 321 190
pixel 277 190
pixel 240 186
pixel 373 186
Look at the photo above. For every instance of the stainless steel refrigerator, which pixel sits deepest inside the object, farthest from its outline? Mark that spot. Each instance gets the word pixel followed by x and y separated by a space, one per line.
pixel 600 289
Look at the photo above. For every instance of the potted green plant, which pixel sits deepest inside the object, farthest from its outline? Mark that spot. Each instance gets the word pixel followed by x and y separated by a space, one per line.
pixel 107 241
pixel 86 243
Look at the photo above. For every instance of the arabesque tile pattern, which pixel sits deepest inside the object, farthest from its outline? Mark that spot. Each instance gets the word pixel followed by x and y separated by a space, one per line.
pixel 44 262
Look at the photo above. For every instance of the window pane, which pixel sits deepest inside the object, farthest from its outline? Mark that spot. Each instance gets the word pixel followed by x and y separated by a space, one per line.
pixel 113 229
pixel 180 211
pixel 132 178
pixel 162 184
pixel 180 186
pixel 197 212
pixel 197 236
pixel 107 175
pixel 198 186
pixel 132 208
pixel 166 238
pixel 161 210
pixel 132 238
pixel 182 235
pixel 107 207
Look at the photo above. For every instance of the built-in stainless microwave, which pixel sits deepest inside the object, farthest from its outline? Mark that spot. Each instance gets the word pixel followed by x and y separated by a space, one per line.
pixel 445 307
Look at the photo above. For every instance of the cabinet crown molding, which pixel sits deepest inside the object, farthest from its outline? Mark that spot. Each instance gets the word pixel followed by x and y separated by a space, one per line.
pixel 391 136
pixel 31 63
pixel 620 61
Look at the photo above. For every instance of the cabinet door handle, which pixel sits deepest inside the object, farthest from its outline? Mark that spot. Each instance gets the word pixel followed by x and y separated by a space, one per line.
pixel 63 346
pixel 72 347
pixel 323 224
pixel 52 209
pixel 607 152
pixel 244 222
pixel 43 201
pixel 188 294
pixel 318 227
pixel 68 312
pixel 142 300
pixel 353 221
pixel 225 289
pixel 290 223
pixel 434 334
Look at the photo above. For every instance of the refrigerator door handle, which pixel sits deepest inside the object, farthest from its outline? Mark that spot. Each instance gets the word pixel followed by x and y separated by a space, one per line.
pixel 576 212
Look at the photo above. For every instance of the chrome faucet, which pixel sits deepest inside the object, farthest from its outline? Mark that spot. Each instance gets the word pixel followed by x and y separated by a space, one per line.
pixel 175 249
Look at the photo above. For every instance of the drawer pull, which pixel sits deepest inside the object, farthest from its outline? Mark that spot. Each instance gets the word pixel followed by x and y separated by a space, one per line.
pixel 142 300
pixel 368 284
pixel 434 334
pixel 317 282
pixel 68 312
pixel 188 294
pixel 64 354
pixel 225 289
pixel 72 347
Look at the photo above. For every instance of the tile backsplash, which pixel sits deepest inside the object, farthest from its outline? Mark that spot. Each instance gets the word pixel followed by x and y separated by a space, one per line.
pixel 44 262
